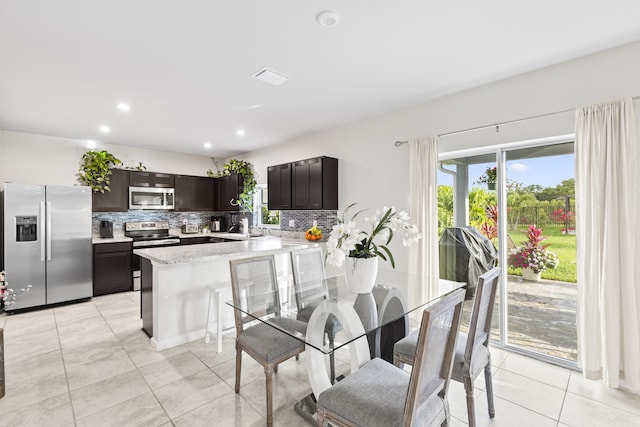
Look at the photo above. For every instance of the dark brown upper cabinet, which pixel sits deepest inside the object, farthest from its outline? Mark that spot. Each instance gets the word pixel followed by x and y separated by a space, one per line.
pixel 227 188
pixel 116 200
pixel 305 184
pixel 151 179
pixel 204 190
pixel 279 186
pixel 194 193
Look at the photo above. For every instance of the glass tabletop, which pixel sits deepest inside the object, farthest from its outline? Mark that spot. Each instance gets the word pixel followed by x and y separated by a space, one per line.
pixel 387 308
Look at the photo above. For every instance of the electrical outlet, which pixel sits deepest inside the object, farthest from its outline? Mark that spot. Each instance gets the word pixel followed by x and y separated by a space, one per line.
pixel 315 223
pixel 292 223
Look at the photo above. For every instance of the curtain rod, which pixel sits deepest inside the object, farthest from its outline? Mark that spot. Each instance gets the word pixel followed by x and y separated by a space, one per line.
pixel 497 125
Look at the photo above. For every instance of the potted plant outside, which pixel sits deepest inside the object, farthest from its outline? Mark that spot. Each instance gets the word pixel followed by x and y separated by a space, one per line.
pixel 533 257
pixel 489 177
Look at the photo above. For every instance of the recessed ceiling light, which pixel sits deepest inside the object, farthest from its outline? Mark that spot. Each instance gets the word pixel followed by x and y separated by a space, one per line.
pixel 270 76
pixel 207 145
pixel 123 106
pixel 240 132
pixel 328 18
pixel 91 144
pixel 104 129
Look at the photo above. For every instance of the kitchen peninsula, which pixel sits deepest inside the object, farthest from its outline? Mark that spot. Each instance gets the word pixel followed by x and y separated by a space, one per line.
pixel 176 281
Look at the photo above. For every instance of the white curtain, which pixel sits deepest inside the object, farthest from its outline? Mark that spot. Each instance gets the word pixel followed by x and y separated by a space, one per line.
pixel 607 230
pixel 423 260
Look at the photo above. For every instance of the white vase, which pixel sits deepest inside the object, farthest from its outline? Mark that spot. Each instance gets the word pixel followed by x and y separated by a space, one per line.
pixel 528 274
pixel 360 274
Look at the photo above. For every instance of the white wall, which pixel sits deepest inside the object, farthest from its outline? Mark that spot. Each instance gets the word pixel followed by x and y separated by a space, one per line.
pixel 38 159
pixel 373 172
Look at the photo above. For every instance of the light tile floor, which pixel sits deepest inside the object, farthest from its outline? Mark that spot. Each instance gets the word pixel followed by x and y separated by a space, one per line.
pixel 89 364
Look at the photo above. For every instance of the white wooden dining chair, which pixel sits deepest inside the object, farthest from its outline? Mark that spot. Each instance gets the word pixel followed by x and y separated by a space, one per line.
pixel 255 290
pixel 380 394
pixel 472 354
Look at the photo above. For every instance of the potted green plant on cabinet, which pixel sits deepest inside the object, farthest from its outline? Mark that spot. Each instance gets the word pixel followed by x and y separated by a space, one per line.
pixel 246 171
pixel 95 170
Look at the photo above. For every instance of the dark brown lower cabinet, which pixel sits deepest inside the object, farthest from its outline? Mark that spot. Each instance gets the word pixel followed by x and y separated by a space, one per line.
pixel 146 296
pixel 112 268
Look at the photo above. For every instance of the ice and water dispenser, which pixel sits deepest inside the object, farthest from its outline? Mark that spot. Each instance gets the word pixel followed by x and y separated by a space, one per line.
pixel 26 228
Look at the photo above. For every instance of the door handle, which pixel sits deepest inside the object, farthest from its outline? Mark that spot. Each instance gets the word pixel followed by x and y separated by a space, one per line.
pixel 43 236
pixel 48 231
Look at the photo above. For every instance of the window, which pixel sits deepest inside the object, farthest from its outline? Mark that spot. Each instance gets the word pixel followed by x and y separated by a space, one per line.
pixel 262 216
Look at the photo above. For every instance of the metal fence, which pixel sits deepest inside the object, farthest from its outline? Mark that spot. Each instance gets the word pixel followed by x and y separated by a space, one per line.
pixel 544 214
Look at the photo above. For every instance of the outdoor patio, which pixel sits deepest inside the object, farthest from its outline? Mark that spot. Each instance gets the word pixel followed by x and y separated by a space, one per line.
pixel 542 316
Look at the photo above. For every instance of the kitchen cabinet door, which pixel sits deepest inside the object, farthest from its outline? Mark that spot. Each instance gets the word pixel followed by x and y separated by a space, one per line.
pixel 116 200
pixel 151 179
pixel 112 268
pixel 227 188
pixel 279 186
pixel 315 184
pixel 204 192
pixel 185 193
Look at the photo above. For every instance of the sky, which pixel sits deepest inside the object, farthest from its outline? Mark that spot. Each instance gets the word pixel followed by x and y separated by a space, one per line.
pixel 544 171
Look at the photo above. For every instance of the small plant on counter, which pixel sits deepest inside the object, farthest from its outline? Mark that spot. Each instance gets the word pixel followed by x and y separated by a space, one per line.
pixel 246 171
pixel 95 170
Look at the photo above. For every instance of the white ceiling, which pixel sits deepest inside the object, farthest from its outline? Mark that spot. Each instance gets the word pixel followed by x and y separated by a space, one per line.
pixel 185 66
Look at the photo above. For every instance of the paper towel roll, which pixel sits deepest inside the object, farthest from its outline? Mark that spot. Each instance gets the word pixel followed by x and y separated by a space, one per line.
pixel 245 225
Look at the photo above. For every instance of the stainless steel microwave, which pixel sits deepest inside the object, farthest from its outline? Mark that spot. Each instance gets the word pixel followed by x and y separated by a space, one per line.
pixel 151 198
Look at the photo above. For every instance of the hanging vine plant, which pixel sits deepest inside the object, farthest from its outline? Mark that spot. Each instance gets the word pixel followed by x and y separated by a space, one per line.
pixel 246 171
pixel 95 170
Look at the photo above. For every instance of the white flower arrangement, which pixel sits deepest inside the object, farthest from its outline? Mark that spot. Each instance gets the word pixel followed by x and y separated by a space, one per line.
pixel 7 294
pixel 347 240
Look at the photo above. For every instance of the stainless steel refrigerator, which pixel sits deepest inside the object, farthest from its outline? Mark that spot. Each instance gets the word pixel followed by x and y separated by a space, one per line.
pixel 47 243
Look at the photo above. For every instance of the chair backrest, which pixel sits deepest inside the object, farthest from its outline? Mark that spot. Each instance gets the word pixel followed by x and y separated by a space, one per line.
pixel 482 311
pixel 254 285
pixel 434 354
pixel 308 276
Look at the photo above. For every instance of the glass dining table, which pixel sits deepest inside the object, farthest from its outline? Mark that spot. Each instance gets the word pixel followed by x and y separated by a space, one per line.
pixel 369 324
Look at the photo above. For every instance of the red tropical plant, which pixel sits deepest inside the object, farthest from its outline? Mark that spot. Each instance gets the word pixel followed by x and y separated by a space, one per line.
pixel 490 227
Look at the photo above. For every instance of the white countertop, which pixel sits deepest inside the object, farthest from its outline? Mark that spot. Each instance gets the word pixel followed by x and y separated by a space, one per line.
pixel 221 251
pixel 96 239
pixel 218 234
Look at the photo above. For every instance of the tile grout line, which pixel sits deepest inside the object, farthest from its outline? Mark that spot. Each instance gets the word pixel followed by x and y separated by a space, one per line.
pixel 137 368
pixel 64 366
pixel 564 397
pixel 518 404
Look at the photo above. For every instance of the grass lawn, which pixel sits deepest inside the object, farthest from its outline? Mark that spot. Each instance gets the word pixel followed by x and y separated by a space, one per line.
pixel 564 245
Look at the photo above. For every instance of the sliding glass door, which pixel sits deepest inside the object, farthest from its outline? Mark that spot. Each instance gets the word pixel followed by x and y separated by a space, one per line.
pixel 521 198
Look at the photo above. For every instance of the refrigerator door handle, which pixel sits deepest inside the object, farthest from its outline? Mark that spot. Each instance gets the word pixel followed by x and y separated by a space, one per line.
pixel 43 237
pixel 49 231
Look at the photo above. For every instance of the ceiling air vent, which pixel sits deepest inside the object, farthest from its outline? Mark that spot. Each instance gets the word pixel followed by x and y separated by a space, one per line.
pixel 267 75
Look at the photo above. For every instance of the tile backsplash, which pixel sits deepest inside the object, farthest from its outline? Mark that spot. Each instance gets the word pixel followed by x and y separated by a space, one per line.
pixel 303 219
pixel 175 218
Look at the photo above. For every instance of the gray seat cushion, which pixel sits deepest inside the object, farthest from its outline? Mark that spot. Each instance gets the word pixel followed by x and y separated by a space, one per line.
pixel 478 361
pixel 372 396
pixel 332 326
pixel 406 347
pixel 375 396
pixel 271 344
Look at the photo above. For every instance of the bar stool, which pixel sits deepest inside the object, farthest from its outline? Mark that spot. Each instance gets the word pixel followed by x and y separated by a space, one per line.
pixel 218 293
